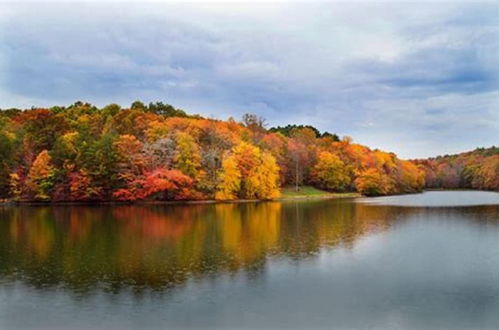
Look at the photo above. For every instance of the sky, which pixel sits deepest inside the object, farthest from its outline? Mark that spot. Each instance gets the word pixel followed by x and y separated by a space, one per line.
pixel 418 79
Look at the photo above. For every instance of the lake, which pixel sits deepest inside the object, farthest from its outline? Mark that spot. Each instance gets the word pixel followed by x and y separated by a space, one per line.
pixel 412 261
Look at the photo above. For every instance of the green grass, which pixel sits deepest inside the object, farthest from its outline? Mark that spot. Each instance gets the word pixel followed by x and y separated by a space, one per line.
pixel 311 192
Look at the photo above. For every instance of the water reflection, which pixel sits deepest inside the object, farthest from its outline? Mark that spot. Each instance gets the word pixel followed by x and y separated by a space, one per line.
pixel 303 265
pixel 453 198
pixel 157 247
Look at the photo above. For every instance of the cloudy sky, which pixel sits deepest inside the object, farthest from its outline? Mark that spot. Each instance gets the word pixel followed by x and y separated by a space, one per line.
pixel 416 79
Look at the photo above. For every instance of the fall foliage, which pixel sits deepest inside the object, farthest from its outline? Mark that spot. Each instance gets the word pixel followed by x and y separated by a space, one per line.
pixel 158 152
pixel 40 177
pixel 478 169
pixel 330 172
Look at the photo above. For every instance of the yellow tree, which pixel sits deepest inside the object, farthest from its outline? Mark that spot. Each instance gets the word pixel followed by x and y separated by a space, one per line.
pixel 264 181
pixel 372 182
pixel 230 180
pixel 330 172
pixel 187 155
pixel 248 173
pixel 409 177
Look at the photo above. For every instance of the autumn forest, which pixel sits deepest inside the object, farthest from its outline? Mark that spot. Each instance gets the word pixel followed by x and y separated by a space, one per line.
pixel 158 152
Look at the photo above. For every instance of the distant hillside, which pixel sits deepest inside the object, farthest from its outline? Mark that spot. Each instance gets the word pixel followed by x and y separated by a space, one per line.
pixel 477 169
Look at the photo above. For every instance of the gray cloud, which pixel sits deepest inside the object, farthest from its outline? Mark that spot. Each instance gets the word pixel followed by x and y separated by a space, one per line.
pixel 415 79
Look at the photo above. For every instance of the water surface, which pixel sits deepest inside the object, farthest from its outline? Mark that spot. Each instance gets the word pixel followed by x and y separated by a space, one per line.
pixel 411 261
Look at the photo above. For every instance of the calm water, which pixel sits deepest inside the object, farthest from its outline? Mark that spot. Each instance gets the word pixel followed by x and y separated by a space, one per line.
pixel 415 261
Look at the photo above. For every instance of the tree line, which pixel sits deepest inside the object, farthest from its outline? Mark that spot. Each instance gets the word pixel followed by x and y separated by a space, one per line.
pixel 158 152
pixel 478 169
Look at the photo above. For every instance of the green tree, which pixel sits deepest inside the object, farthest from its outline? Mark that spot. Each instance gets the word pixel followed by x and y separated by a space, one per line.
pixel 99 160
pixel 137 105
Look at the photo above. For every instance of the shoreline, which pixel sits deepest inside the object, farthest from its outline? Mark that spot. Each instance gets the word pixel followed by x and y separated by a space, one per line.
pixel 187 202
pixel 324 196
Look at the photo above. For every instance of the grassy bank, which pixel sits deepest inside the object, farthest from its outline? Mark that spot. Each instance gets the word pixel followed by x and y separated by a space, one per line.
pixel 309 192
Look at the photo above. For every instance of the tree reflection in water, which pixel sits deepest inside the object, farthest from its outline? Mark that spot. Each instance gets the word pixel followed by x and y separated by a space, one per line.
pixel 156 247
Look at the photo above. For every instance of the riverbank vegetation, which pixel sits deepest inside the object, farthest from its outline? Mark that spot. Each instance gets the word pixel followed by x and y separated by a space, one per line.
pixel 158 152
